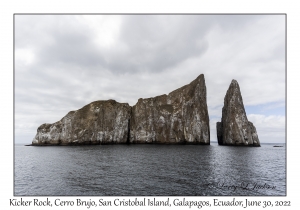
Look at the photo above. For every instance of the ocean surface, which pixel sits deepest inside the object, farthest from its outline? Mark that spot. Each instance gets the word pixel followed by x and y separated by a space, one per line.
pixel 150 170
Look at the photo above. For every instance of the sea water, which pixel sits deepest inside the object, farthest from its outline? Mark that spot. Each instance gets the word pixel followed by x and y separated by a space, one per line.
pixel 149 170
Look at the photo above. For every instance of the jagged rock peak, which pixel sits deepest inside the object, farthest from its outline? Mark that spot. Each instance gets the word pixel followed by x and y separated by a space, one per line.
pixel 179 117
pixel 234 128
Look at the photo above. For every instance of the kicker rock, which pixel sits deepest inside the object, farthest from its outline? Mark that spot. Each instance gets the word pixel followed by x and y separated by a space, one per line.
pixel 234 128
pixel 179 117
pixel 100 122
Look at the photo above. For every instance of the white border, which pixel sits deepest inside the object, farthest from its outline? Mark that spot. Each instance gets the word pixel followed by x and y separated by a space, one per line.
pixel 8 8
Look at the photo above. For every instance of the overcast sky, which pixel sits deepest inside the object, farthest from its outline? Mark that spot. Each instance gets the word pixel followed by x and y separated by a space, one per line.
pixel 63 62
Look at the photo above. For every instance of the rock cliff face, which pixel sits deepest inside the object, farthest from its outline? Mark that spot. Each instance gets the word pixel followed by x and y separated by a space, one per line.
pixel 100 122
pixel 179 117
pixel 234 128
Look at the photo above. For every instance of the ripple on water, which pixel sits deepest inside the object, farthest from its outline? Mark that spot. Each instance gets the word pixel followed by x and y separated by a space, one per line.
pixel 161 170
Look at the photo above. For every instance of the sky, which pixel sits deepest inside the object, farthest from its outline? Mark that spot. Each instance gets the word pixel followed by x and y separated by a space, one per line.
pixel 63 62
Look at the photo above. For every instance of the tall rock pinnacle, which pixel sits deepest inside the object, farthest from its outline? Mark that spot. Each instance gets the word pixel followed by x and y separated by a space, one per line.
pixel 234 128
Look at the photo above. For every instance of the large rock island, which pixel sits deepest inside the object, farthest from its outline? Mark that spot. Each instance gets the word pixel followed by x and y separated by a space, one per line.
pixel 176 118
pixel 234 128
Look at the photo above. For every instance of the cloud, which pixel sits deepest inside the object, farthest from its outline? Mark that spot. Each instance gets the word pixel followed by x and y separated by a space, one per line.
pixel 63 62
pixel 269 127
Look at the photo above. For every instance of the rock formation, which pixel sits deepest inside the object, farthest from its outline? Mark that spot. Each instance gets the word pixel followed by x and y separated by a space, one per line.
pixel 234 128
pixel 179 117
pixel 100 122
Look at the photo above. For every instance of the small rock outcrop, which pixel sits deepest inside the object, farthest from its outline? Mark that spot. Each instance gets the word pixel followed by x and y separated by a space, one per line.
pixel 100 122
pixel 234 128
pixel 179 117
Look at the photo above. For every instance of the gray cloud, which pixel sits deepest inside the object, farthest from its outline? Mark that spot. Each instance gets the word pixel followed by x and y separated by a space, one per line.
pixel 157 43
